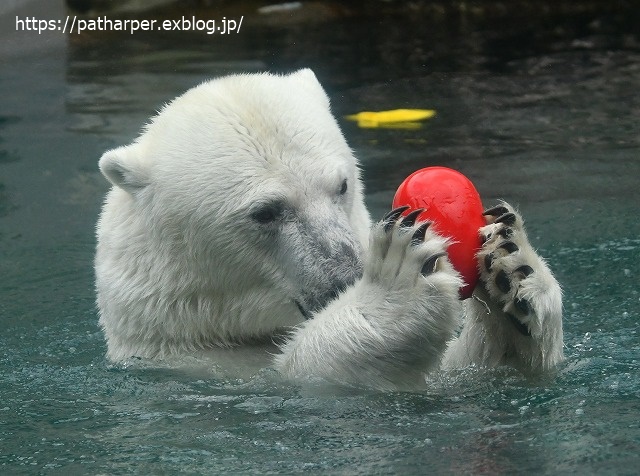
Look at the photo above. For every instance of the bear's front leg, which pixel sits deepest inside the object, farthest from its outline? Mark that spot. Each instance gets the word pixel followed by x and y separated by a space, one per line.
pixel 515 316
pixel 393 324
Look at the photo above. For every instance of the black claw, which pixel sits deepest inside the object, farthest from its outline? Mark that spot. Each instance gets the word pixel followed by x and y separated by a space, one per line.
pixel 509 247
pixel 508 219
pixel 418 235
pixel 525 269
pixel 395 213
pixel 520 326
pixel 506 233
pixel 409 220
pixel 496 211
pixel 522 305
pixel 429 266
pixel 488 261
pixel 390 218
pixel 502 281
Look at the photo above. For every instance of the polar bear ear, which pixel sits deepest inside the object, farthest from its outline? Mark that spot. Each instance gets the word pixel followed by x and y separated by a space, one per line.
pixel 307 79
pixel 124 169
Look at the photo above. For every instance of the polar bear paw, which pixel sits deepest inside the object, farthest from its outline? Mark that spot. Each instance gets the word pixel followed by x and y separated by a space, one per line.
pixel 508 265
pixel 407 254
pixel 409 290
pixel 410 281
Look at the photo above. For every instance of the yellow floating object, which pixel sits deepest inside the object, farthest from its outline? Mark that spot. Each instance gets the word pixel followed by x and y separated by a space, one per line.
pixel 404 118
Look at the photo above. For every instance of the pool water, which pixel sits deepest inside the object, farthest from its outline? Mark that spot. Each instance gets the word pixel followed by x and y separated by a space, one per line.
pixel 553 130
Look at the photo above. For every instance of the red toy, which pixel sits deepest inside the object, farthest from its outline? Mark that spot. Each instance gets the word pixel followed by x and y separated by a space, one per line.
pixel 453 204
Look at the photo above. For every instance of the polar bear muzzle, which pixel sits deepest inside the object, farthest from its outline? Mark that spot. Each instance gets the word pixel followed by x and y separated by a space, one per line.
pixel 343 270
pixel 321 258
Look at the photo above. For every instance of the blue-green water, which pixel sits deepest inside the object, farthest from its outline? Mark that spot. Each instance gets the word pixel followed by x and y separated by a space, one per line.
pixel 556 132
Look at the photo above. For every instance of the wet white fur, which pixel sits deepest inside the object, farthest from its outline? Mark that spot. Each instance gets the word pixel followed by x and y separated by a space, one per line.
pixel 181 267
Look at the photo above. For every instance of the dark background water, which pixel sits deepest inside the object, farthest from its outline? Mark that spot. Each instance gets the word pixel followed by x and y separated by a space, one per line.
pixel 537 103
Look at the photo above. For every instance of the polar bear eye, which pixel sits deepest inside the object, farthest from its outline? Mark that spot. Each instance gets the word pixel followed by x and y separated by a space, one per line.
pixel 268 213
pixel 343 187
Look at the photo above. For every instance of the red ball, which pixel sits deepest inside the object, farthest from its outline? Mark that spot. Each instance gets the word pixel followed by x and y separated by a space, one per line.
pixel 453 204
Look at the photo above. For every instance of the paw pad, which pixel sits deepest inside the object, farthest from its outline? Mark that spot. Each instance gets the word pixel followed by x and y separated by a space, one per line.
pixel 521 327
pixel 506 233
pixel 502 281
pixel 522 305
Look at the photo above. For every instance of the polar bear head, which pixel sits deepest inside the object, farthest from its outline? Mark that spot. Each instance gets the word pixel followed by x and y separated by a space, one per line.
pixel 237 212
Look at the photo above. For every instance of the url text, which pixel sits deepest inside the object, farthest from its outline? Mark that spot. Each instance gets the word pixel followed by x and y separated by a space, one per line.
pixel 73 24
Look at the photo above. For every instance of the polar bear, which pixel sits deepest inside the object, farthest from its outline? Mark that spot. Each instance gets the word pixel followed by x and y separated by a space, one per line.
pixel 237 219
